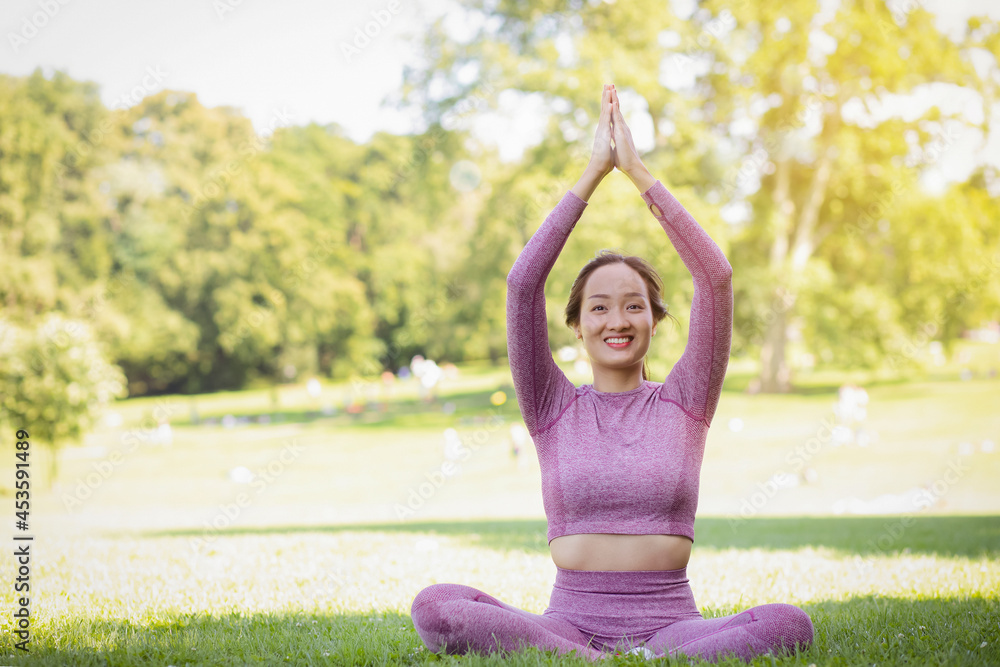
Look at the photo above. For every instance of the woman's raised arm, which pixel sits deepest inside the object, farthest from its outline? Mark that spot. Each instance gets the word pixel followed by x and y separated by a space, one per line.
pixel 542 389
pixel 695 381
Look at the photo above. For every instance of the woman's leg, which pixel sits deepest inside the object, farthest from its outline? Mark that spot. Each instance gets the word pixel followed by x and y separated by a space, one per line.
pixel 455 619
pixel 769 627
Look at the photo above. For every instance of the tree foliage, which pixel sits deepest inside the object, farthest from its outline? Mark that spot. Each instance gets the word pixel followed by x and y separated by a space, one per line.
pixel 775 110
pixel 205 256
pixel 56 380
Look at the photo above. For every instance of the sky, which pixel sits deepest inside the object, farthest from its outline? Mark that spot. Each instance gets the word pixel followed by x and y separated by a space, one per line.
pixel 297 61
pixel 257 55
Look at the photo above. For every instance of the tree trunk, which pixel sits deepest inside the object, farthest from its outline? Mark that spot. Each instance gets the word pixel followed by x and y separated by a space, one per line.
pixel 789 253
pixel 775 375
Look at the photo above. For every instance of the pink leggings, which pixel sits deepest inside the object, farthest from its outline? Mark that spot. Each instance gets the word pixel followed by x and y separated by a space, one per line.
pixel 597 613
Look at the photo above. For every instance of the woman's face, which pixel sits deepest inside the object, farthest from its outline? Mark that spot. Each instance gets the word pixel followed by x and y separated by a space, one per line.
pixel 615 306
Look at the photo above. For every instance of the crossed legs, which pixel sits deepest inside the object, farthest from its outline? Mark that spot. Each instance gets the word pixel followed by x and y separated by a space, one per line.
pixel 770 627
pixel 454 618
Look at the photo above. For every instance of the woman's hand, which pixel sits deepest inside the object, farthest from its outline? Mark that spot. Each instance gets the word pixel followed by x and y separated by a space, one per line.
pixel 607 156
pixel 602 159
pixel 627 158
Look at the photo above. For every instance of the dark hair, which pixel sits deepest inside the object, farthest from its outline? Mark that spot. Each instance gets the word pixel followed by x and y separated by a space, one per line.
pixel 654 287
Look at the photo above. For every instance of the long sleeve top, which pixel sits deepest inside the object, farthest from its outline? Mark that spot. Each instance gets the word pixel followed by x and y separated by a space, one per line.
pixel 620 462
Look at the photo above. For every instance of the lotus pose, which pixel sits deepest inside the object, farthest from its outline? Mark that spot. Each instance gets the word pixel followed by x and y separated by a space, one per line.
pixel 620 459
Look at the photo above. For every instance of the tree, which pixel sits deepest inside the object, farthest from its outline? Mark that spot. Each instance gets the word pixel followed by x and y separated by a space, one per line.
pixel 831 173
pixel 54 381
pixel 784 93
pixel 52 242
pixel 207 256
pixel 560 55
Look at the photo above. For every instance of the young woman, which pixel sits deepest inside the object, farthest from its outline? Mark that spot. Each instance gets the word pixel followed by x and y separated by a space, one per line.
pixel 620 459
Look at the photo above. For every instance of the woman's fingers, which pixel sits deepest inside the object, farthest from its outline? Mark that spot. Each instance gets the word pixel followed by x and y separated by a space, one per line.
pixel 626 155
pixel 602 157
pixel 605 106
pixel 604 123
pixel 616 119
pixel 616 110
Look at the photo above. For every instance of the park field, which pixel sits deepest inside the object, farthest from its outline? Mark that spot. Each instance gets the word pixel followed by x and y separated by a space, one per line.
pixel 277 527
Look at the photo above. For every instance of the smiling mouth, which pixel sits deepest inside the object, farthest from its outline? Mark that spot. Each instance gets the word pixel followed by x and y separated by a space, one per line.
pixel 619 341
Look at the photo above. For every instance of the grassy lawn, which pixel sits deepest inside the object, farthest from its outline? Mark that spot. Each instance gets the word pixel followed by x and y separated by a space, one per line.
pixel 341 595
pixel 150 554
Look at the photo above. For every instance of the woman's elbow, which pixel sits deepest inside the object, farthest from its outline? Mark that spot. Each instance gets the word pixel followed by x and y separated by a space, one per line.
pixel 723 276
pixel 515 278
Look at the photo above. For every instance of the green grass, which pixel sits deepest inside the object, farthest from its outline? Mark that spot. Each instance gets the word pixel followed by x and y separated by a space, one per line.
pixel 158 561
pixel 341 595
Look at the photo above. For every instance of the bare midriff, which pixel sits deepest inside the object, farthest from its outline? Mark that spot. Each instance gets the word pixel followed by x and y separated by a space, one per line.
pixel 598 551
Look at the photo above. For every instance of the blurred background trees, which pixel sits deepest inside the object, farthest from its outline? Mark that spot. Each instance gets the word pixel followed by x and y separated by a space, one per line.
pixel 773 115
pixel 205 257
pixel 56 381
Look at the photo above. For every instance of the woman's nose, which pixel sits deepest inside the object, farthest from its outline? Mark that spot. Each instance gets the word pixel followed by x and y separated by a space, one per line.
pixel 618 319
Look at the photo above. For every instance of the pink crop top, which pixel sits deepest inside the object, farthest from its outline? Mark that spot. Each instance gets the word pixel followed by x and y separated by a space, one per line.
pixel 625 462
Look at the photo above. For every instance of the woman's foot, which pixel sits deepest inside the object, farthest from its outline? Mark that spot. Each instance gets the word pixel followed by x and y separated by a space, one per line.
pixel 643 651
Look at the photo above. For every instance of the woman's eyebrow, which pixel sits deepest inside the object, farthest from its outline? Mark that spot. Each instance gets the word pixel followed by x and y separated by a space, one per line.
pixel 607 296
